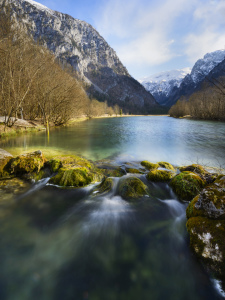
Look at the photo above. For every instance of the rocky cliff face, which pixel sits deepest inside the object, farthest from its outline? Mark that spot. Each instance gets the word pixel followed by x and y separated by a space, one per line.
pixel 79 44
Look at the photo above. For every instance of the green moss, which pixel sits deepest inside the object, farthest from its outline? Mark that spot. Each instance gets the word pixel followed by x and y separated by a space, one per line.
pixel 166 165
pixel 159 175
pixel 187 185
pixel 73 160
pixel 148 165
pixel 105 186
pixel 4 172
pixel 195 168
pixel 115 172
pixel 27 163
pixel 75 177
pixel 132 188
pixel 192 211
pixel 133 171
pixel 55 165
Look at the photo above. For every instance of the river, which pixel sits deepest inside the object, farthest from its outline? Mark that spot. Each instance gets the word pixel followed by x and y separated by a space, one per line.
pixel 69 244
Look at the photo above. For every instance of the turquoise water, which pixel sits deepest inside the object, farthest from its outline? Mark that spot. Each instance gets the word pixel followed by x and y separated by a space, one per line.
pixel 178 141
pixel 67 244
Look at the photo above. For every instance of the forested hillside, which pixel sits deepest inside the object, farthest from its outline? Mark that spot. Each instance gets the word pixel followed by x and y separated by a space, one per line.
pixel 34 84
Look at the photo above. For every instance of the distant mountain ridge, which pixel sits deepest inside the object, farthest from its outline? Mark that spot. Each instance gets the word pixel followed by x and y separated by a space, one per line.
pixel 80 45
pixel 167 92
pixel 161 84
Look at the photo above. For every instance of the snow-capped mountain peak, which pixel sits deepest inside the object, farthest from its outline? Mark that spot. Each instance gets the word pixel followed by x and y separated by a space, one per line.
pixel 166 76
pixel 161 84
pixel 204 65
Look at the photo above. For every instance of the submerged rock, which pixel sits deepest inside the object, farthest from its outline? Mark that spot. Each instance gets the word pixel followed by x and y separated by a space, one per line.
pixel 105 186
pixel 11 187
pixel 159 175
pixel 187 185
pixel 148 165
pixel 75 177
pixel 132 188
pixel 211 201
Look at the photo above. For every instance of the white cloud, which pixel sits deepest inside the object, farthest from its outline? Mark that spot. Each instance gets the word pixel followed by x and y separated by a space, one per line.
pixel 143 29
pixel 210 30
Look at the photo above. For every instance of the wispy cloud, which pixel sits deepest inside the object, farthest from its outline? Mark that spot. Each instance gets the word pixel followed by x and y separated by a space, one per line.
pixel 154 32
pixel 210 30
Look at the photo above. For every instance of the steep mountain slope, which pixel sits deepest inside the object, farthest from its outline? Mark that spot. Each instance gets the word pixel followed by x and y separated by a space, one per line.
pixel 161 84
pixel 79 44
pixel 193 81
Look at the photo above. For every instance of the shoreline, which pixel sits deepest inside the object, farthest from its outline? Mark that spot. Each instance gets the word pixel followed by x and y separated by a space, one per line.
pixel 30 126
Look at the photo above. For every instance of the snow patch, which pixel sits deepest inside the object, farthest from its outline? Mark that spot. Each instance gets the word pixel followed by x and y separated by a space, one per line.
pixel 40 6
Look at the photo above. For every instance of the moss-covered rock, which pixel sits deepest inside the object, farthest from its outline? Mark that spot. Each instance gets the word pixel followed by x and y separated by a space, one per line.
pixel 75 177
pixel 207 241
pixel 187 185
pixel 159 175
pixel 148 165
pixel 4 161
pixel 211 201
pixel 199 170
pixel 166 165
pixel 54 165
pixel 105 186
pixel 26 163
pixel 111 171
pixel 133 171
pixel 132 188
pixel 195 168
pixel 192 211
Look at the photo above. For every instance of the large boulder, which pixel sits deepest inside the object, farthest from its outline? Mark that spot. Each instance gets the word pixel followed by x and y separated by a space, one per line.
pixel 207 241
pixel 132 188
pixel 206 226
pixel 187 185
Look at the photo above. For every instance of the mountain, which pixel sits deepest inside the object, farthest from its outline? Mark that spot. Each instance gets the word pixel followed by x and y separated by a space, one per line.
pixel 78 44
pixel 161 84
pixel 192 81
pixel 168 87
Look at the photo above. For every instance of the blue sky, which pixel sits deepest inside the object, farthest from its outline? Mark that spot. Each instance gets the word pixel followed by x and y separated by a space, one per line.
pixel 151 36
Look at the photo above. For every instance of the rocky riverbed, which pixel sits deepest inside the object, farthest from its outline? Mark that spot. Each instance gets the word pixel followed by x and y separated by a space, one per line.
pixel 203 189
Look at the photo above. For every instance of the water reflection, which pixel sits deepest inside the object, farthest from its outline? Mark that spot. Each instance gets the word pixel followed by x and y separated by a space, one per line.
pixel 135 138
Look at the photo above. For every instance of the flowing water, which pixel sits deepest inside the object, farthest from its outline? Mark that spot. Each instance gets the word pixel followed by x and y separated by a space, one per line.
pixel 74 244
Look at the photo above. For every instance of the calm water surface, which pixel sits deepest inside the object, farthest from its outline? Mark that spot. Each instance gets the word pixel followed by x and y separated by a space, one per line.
pixel 135 138
pixel 69 244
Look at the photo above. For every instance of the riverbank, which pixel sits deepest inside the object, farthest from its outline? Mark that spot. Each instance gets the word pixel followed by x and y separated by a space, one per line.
pixel 20 127
pixel 29 126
